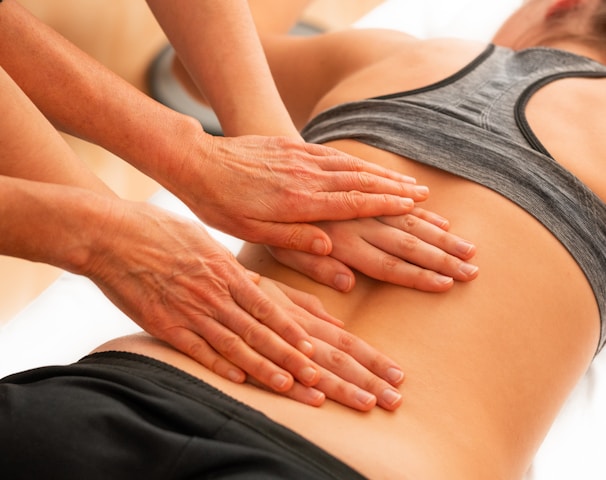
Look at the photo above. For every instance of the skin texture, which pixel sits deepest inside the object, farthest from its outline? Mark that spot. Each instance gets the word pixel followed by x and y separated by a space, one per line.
pixel 198 298
pixel 489 363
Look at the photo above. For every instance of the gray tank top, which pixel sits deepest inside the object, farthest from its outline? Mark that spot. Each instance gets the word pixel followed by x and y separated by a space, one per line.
pixel 473 125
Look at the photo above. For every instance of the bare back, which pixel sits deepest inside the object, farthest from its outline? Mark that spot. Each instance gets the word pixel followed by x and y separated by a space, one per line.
pixel 489 363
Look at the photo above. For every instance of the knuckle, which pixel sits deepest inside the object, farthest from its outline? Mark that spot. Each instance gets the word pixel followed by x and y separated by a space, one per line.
pixel 338 360
pixel 389 263
pixel 408 223
pixel 261 308
pixel 408 243
pixel 229 346
pixel 256 335
pixel 290 360
pixel 354 199
pixel 294 238
pixel 346 342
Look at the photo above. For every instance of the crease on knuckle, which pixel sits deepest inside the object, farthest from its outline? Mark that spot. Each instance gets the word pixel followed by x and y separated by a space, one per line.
pixel 389 263
pixel 346 342
pixel 373 384
pixel 256 335
pixel 408 223
pixel 338 360
pixel 229 346
pixel 293 241
pixel 355 200
pixel 408 243
pixel 261 308
pixel 366 181
pixel 290 360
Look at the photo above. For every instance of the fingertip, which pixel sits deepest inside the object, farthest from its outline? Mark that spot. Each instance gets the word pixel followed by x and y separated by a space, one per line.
pixel 469 271
pixel 364 400
pixel 390 399
pixel 343 282
pixel 316 397
pixel 465 249
pixel 281 382
pixel 320 246
pixel 441 283
pixel 236 375
pixel 395 376
pixel 309 376
pixel 306 348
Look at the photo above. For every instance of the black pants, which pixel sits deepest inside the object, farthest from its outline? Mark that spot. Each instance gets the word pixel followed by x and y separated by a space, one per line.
pixel 117 415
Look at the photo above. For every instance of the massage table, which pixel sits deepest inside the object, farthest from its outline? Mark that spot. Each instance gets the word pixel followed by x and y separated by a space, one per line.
pixel 71 317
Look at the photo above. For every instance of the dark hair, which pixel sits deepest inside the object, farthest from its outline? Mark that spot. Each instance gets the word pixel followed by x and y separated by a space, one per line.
pixel 598 22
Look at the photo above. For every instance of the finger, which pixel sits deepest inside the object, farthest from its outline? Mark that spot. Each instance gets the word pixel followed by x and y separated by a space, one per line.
pixel 300 393
pixel 292 236
pixel 346 204
pixel 331 159
pixel 374 258
pixel 428 232
pixel 197 348
pixel 431 217
pixel 265 356
pixel 309 303
pixel 323 269
pixel 271 331
pixel 375 362
pixel 346 393
pixel 348 382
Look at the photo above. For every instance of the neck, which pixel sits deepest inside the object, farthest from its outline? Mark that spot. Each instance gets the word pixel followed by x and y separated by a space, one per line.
pixel 577 48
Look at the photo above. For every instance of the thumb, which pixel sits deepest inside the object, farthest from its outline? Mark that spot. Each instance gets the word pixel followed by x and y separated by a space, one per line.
pixel 295 236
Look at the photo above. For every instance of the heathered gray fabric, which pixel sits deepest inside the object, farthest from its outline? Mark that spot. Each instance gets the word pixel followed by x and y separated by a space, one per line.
pixel 473 125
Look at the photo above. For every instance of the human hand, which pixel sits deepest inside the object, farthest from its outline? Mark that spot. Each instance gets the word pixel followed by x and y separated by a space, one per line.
pixel 168 275
pixel 352 372
pixel 413 250
pixel 266 189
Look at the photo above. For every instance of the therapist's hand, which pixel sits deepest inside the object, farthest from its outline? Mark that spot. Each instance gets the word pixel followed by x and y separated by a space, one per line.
pixel 352 372
pixel 267 189
pixel 168 275
pixel 413 250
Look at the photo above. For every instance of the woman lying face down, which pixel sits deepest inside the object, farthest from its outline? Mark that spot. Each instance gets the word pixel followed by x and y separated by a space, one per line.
pixel 495 132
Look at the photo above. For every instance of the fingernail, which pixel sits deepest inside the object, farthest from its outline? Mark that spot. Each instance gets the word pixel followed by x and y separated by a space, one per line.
pixel 395 375
pixel 308 375
pixel 317 397
pixel 464 248
pixel 235 376
pixel 422 190
pixel 342 282
pixel 468 269
pixel 390 397
pixel 306 347
pixel 319 247
pixel 407 203
pixel 365 398
pixel 279 381
pixel 440 222
pixel 443 280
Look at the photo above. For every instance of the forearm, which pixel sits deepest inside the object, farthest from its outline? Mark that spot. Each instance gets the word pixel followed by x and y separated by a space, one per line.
pixel 217 42
pixel 82 97
pixel 51 223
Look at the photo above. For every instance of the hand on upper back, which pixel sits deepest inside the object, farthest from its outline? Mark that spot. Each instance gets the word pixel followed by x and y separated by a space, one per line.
pixel 266 189
pixel 412 250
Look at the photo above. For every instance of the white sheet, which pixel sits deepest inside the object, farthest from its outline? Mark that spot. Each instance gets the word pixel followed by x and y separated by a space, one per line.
pixel 71 317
